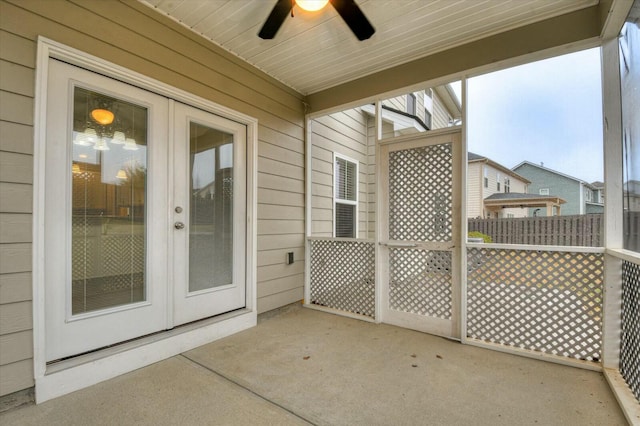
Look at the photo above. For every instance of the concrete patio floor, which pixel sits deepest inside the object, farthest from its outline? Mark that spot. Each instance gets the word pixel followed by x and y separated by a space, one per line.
pixel 301 366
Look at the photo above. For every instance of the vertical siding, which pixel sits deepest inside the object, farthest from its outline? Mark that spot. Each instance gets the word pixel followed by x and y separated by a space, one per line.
pixel 132 35
pixel 345 133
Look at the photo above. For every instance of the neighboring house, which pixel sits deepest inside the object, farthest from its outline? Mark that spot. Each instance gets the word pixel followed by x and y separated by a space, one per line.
pixel 343 160
pixel 581 197
pixel 599 191
pixel 495 191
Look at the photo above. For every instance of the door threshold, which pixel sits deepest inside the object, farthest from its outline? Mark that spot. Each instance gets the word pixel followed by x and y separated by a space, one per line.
pixel 85 370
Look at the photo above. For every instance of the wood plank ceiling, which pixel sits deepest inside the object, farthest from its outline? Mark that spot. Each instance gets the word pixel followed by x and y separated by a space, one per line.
pixel 315 51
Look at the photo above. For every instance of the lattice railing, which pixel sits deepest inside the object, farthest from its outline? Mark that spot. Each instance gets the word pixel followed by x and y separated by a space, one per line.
pixel 420 282
pixel 421 193
pixel 547 301
pixel 630 336
pixel 342 275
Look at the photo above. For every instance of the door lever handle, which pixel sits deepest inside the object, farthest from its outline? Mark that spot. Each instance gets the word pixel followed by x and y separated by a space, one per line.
pixel 178 225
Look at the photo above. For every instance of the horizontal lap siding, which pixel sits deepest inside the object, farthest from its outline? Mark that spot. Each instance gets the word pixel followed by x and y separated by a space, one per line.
pixel 440 117
pixel 134 36
pixel 343 133
pixel 474 190
pixel 17 76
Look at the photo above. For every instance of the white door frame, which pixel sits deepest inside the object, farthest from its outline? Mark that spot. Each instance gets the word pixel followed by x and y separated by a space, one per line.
pixel 77 373
pixel 452 328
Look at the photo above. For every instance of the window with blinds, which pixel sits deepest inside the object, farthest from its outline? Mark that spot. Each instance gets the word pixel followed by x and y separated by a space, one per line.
pixel 345 197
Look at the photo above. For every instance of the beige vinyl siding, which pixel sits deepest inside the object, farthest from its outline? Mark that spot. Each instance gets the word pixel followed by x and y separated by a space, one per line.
pixel 371 177
pixel 516 185
pixel 440 117
pixel 344 133
pixel 134 36
pixel 17 76
pixel 474 190
pixel 399 103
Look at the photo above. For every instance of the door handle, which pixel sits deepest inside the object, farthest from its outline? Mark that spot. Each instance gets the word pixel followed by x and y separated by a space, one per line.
pixel 178 225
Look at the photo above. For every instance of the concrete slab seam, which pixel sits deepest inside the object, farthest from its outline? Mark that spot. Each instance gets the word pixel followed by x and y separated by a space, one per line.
pixel 230 380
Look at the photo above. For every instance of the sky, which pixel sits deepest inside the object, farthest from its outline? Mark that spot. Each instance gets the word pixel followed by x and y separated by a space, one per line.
pixel 545 112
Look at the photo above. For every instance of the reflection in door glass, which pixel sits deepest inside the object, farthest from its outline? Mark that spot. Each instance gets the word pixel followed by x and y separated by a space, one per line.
pixel 211 208
pixel 108 169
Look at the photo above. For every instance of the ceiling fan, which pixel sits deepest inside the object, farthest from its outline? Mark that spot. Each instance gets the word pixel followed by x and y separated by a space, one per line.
pixel 347 9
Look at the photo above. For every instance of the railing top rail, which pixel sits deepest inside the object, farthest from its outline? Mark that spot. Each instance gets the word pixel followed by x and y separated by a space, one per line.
pixel 531 247
pixel 628 255
pixel 346 240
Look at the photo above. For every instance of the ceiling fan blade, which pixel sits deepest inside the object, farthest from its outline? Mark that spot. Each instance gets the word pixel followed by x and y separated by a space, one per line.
pixel 275 19
pixel 355 19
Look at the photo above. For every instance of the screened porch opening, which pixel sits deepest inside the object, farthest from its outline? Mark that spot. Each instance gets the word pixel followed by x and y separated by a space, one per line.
pixel 514 256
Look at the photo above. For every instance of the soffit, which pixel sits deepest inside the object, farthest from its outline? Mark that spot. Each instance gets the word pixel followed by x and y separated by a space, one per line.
pixel 316 51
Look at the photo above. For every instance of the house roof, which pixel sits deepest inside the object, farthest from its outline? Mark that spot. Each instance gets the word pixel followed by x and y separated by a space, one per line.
pixel 516 196
pixel 473 157
pixel 517 199
pixel 315 52
pixel 529 163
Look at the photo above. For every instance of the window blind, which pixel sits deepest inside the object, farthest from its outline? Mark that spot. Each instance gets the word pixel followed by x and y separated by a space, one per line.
pixel 346 196
pixel 346 179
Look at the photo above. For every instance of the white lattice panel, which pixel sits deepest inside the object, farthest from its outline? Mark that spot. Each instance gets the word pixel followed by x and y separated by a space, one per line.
pixel 420 193
pixel 420 282
pixel 540 300
pixel 342 275
pixel 630 339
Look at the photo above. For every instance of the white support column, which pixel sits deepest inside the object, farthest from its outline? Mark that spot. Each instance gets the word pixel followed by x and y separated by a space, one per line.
pixel 464 221
pixel 380 269
pixel 613 219
pixel 307 210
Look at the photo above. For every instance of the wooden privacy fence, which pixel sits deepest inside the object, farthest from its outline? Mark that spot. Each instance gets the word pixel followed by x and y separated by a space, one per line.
pixel 577 230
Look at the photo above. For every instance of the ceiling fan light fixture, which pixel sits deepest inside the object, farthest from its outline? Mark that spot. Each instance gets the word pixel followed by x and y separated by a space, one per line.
pixel 312 5
pixel 102 116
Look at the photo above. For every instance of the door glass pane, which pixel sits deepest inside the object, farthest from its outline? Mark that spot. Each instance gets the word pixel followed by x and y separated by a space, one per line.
pixel 109 164
pixel 211 208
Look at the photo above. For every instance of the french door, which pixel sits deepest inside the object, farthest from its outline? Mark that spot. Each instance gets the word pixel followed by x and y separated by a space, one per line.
pixel 145 200
pixel 209 214
pixel 419 236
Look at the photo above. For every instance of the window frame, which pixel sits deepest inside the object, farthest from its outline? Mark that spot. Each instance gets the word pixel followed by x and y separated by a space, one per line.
pixel 428 118
pixel 342 201
pixel 413 103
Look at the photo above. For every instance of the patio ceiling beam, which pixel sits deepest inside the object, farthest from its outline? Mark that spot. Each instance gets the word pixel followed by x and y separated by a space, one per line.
pixel 574 27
